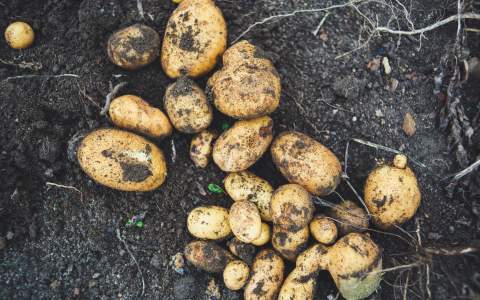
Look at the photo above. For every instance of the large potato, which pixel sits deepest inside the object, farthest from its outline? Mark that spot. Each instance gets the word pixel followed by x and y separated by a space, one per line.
pixel 289 243
pixel 134 113
pixel 247 186
pixel 266 278
pixel 349 217
pixel 305 161
pixel 291 207
pixel 195 37
pixel 324 230
pixel 122 160
pixel 207 256
pixel 245 221
pixel 243 144
pixel 187 106
pixel 209 222
pixel 201 148
pixel 235 275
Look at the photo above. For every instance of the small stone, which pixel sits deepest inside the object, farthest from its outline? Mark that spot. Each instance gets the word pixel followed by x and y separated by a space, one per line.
pixel 10 235
pixel 155 261
pixel 379 113
pixel 92 284
pixel 374 65
pixel 55 284
pixel 386 65
pixel 3 243
pixel 122 252
pixel 96 275
pixel 392 85
pixel 76 291
pixel 409 126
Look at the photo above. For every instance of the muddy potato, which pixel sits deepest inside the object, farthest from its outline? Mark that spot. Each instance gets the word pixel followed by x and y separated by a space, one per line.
pixel 323 230
pixel 187 106
pixel 291 207
pixel 195 37
pixel 266 278
pixel 305 161
pixel 133 47
pixel 201 148
pixel 289 243
pixel 122 160
pixel 243 144
pixel 264 236
pixel 209 222
pixel 235 275
pixel 207 256
pixel 244 251
pixel 392 194
pixel 349 217
pixel 19 35
pixel 245 221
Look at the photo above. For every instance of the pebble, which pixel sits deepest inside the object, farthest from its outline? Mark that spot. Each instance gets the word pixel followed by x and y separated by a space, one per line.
pixel 379 113
pixel 96 275
pixel 386 65
pixel 10 235
pixel 155 261
pixel 409 126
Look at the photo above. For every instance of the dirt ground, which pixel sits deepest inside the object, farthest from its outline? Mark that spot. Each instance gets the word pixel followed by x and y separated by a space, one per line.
pixel 62 243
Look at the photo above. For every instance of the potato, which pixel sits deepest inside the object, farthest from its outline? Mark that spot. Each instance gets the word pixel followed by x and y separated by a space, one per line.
pixel 305 161
pixel 289 243
pixel 134 113
pixel 19 35
pixel 195 37
pixel 323 230
pixel 187 106
pixel 248 86
pixel 264 236
pixel 235 275
pixel 201 148
pixel 244 251
pixel 245 185
pixel 266 278
pixel 349 217
pixel 133 47
pixel 245 221
pixel 209 222
pixel 291 207
pixel 207 256
pixel 122 160
pixel 243 144
pixel 392 194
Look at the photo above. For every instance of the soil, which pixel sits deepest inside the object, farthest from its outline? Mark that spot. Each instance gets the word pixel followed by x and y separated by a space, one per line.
pixel 62 243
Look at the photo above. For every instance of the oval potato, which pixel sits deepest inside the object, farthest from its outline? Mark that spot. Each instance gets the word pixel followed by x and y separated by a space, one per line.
pixel 289 243
pixel 19 35
pixel 264 236
pixel 209 222
pixel 291 207
pixel 201 148
pixel 266 278
pixel 349 217
pixel 323 230
pixel 235 275
pixel 207 256
pixel 245 221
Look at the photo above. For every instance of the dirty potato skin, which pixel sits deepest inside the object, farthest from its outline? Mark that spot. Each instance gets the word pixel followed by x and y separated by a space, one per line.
pixel 122 160
pixel 291 207
pixel 323 230
pixel 133 47
pixel 209 222
pixel 245 221
pixel 195 37
pixel 187 106
pixel 134 113
pixel 207 256
pixel 235 275
pixel 244 251
pixel 266 277
pixel 243 144
pixel 289 243
pixel 201 148
pixel 349 217
pixel 305 161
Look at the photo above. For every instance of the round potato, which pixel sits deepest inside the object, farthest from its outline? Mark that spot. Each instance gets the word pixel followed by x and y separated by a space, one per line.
pixel 209 222
pixel 267 276
pixel 243 144
pixel 187 106
pixel 291 207
pixel 201 148
pixel 349 217
pixel 134 113
pixel 207 256
pixel 245 221
pixel 305 161
pixel 195 37
pixel 19 35
pixel 122 160
pixel 289 243
pixel 244 251
pixel 264 236
pixel 392 194
pixel 133 47
pixel 324 230
pixel 235 275
pixel 245 185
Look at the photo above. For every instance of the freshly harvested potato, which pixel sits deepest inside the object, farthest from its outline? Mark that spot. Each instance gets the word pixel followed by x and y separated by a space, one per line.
pixel 291 207
pixel 235 275
pixel 245 185
pixel 208 256
pixel 122 160
pixel 349 217
pixel 248 86
pixel 305 161
pixel 323 230
pixel 289 243
pixel 244 251
pixel 201 148
pixel 209 222
pixel 392 194
pixel 134 113
pixel 243 144
pixel 245 221
pixel 266 278
pixel 195 37
pixel 19 35
pixel 133 47
pixel 264 236
pixel 187 106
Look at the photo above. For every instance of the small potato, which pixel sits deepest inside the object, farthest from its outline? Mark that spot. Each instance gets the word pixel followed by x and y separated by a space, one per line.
pixel 305 161
pixel 19 35
pixel 187 106
pixel 209 222
pixel 323 230
pixel 134 113
pixel 289 243
pixel 195 37
pixel 266 278
pixel 235 275
pixel 244 251
pixel 298 286
pixel 264 236
pixel 201 148
pixel 207 256
pixel 291 207
pixel 122 160
pixel 245 221
pixel 133 47
pixel 247 186
pixel 243 144
pixel 349 217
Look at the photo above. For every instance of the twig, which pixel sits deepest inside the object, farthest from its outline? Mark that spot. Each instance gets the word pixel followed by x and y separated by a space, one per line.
pixel 465 171
pixel 35 66
pixel 119 237
pixel 113 92
pixel 409 266
pixel 345 177
pixel 453 251
pixel 315 32
pixel 65 187
pixel 84 94
pixel 140 9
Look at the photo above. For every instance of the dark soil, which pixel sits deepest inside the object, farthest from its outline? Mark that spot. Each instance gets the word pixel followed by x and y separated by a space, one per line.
pixel 61 243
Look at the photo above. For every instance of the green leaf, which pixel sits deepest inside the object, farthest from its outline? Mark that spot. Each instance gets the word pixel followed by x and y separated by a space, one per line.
pixel 214 188
pixel 139 224
pixel 225 126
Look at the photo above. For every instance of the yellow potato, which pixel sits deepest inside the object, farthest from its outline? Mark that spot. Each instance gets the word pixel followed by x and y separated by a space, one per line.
pixel 201 148
pixel 244 251
pixel 243 144
pixel 349 217
pixel 134 113
pixel 19 35
pixel 122 160
pixel 264 236
pixel 245 185
pixel 245 221
pixel 133 47
pixel 209 222
pixel 195 37
pixel 187 106
pixel 207 256
pixel 305 161
pixel 289 243
pixel 291 207
pixel 266 278
pixel 323 230
pixel 235 275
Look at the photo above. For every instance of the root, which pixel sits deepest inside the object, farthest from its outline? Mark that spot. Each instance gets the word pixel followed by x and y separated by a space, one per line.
pixel 113 92
pixel 119 237
pixel 69 187
pixel 41 76
pixel 34 66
